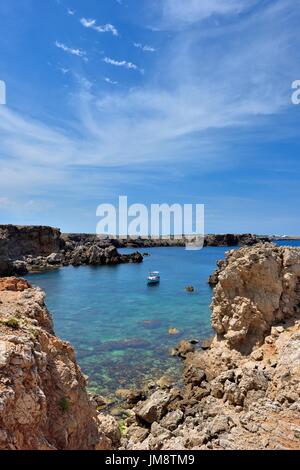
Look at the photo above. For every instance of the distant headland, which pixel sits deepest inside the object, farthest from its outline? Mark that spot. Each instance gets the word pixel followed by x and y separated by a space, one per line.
pixel 34 248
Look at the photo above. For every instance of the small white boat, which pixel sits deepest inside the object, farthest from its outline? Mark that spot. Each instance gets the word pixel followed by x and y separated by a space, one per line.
pixel 153 278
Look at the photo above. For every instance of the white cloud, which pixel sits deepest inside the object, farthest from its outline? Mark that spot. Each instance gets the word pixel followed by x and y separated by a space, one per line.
pixel 71 12
pixel 145 48
pixel 70 50
pixel 109 80
pixel 176 13
pixel 121 63
pixel 87 23
pixel 106 28
pixel 23 206
pixel 224 86
pixel 64 71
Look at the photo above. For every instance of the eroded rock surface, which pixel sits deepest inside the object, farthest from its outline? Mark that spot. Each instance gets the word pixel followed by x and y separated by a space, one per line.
pixel 256 289
pixel 243 392
pixel 43 399
pixel 228 239
pixel 26 249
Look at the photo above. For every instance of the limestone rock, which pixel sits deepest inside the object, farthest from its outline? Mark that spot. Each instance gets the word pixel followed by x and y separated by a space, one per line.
pixel 43 400
pixel 172 419
pixel 257 355
pixel 251 294
pixel 36 249
pixel 183 349
pixel 154 408
pixel 13 284
pixel 243 392
pixel 108 426
pixel 17 241
pixel 55 258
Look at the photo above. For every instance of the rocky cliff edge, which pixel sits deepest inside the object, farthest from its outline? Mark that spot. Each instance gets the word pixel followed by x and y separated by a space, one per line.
pixel 44 404
pixel 244 391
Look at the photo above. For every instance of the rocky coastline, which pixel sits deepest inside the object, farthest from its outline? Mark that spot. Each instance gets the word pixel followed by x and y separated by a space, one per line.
pixel 209 240
pixel 26 249
pixel 44 404
pixel 241 390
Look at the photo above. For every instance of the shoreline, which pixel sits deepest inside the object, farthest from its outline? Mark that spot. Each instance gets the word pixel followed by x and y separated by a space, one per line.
pixel 235 392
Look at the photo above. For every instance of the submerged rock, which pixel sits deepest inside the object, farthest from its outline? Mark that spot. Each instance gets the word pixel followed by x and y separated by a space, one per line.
pixel 151 324
pixel 190 289
pixel 173 331
pixel 134 343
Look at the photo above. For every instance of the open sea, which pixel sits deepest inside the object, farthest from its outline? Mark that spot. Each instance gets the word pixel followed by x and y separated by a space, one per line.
pixel 119 325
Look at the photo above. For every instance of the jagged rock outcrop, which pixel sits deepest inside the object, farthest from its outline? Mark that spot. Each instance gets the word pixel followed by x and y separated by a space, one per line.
pixel 39 248
pixel 209 240
pixel 244 391
pixel 17 241
pixel 95 254
pixel 229 239
pixel 256 289
pixel 26 249
pixel 44 404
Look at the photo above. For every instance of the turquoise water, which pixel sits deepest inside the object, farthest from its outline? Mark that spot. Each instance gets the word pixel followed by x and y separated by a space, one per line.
pixel 119 325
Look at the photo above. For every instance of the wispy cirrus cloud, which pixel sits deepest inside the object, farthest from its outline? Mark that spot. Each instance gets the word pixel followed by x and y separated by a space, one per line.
pixel 144 48
pixel 122 63
pixel 63 70
pixel 109 80
pixel 190 11
pixel 224 86
pixel 153 122
pixel 106 28
pixel 70 50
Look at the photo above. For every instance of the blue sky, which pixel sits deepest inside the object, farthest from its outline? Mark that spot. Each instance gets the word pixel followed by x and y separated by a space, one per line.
pixel 163 101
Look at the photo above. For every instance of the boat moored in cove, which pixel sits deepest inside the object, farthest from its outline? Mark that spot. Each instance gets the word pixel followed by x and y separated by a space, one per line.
pixel 153 277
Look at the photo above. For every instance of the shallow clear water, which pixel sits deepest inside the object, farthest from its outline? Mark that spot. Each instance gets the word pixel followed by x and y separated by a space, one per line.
pixel 119 325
